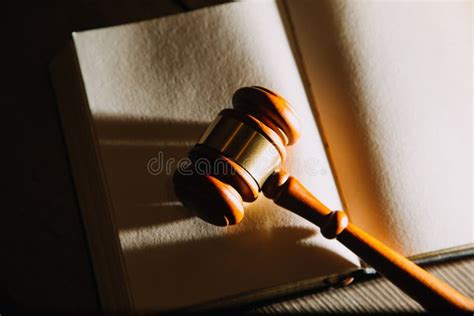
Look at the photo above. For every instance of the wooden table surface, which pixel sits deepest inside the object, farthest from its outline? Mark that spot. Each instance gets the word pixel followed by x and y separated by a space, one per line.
pixel 45 263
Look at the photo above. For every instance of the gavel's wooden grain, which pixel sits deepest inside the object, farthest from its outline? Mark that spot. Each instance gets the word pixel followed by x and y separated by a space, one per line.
pixel 218 199
pixel 429 291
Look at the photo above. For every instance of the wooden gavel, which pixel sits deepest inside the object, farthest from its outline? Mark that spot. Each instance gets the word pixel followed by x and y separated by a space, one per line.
pixel 247 143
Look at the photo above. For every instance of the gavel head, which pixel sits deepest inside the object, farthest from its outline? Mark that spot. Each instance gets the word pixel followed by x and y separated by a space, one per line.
pixel 236 155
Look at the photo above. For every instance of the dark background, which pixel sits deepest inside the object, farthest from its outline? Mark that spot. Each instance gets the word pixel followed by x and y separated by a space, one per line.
pixel 45 265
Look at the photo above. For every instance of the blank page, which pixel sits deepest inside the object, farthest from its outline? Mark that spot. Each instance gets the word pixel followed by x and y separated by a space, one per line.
pixel 153 87
pixel 392 82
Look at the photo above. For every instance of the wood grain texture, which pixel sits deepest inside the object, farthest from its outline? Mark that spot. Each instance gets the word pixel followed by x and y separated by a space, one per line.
pixel 288 192
pixel 374 295
pixel 47 266
pixel 271 109
pixel 422 286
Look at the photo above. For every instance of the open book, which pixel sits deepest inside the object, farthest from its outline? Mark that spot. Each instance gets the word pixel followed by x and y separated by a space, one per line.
pixel 383 92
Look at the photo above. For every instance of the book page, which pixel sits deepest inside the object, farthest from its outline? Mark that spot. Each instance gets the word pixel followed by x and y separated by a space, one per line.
pixel 153 87
pixel 392 83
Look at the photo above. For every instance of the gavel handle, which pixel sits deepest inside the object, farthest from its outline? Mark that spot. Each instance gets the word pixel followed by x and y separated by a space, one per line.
pixel 432 293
